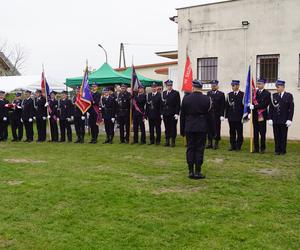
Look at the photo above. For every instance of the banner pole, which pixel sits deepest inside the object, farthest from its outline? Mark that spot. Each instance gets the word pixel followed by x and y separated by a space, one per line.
pixel 46 96
pixel 251 117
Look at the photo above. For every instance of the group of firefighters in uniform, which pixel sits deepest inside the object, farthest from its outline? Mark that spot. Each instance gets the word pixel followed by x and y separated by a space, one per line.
pixel 200 117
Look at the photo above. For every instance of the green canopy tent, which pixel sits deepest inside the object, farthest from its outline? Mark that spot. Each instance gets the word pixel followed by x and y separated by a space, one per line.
pixel 104 76
pixel 147 82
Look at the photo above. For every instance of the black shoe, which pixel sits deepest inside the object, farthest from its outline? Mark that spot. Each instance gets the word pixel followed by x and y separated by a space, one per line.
pixel 199 176
pixel 157 143
pixel 14 140
pixel 106 141
pixel 191 172
pixel 277 153
pixel 209 146
pixel 151 143
pixel 231 149
pixel 122 142
pixel 255 151
pixel 283 153
pixel 173 143
pixel 167 144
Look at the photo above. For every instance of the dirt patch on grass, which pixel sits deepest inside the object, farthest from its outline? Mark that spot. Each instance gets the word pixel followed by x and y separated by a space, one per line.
pixel 14 182
pixel 217 160
pixel 178 190
pixel 268 171
pixel 18 161
pixel 5 243
pixel 161 163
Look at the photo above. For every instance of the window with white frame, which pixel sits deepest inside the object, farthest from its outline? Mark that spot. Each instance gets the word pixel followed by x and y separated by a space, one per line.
pixel 207 70
pixel 267 67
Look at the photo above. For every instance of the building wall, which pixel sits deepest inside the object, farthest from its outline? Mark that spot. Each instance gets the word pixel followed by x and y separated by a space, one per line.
pixel 216 31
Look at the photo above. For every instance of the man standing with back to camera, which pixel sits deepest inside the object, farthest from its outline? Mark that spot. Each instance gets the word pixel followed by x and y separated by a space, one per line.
pixel 194 125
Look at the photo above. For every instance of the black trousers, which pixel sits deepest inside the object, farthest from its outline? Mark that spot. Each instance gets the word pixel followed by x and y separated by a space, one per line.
pixel 93 125
pixel 124 123
pixel 138 123
pixel 3 130
pixel 280 137
pixel 195 148
pixel 259 129
pixel 109 129
pixel 236 134
pixel 29 130
pixel 17 129
pixel 155 127
pixel 41 129
pixel 79 127
pixel 65 126
pixel 54 129
pixel 211 127
pixel 170 127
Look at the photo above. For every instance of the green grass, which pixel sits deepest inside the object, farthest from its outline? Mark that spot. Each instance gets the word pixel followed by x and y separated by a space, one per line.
pixel 69 196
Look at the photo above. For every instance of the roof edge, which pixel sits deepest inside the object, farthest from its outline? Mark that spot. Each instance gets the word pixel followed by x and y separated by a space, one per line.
pixel 206 4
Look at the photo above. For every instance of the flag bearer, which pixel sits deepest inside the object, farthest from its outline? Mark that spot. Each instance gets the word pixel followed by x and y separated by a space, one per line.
pixel 138 111
pixel 41 115
pixel 108 107
pixel 234 109
pixel 27 115
pixel 3 116
pixel 216 114
pixel 66 117
pixel 281 114
pixel 79 120
pixel 194 125
pixel 16 117
pixel 93 113
pixel 261 102
pixel 170 109
pixel 153 109
pixel 53 113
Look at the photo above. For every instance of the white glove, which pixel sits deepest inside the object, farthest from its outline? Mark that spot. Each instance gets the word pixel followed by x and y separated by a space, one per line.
pixel 288 123
pixel 72 118
pixel 21 120
pixel 270 122
pixel 69 119
pixel 82 118
pixel 162 117
pixel 5 119
pixel 251 106
pixel 113 120
pixel 19 107
pixel 249 116
pixel 34 118
pixel 44 118
pixel 46 104
pixel 48 116
pixel 222 118
pixel 30 120
pixel 57 119
pixel 176 117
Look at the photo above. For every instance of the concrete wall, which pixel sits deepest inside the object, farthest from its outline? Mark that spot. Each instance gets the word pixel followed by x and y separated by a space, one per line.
pixel 216 31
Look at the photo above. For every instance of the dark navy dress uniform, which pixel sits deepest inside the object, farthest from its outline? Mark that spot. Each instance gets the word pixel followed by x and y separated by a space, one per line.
pixel 41 118
pixel 139 117
pixel 217 111
pixel 66 109
pixel 93 116
pixel 16 120
pixel 123 100
pixel 280 112
pixel 108 107
pixel 79 123
pixel 234 110
pixel 4 119
pixel 153 113
pixel 260 117
pixel 54 115
pixel 169 108
pixel 28 113
pixel 194 125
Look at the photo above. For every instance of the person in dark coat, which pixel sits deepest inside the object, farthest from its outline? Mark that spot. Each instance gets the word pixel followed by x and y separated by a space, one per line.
pixel 281 113
pixel 108 108
pixel 216 114
pixel 16 119
pixel 28 113
pixel 66 117
pixel 153 109
pixel 3 116
pixel 260 115
pixel 170 109
pixel 194 125
pixel 79 120
pixel 93 114
pixel 123 99
pixel 138 110
pixel 53 115
pixel 234 109
pixel 40 115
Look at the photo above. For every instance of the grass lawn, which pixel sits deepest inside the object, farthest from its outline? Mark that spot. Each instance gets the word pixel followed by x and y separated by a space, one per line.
pixel 69 196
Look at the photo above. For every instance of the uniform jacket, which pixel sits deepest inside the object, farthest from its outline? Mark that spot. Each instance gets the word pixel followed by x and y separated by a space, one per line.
pixel 141 103
pixel 170 103
pixel 40 109
pixel 3 109
pixel 53 111
pixel 153 106
pixel 234 107
pixel 123 104
pixel 218 102
pixel 16 114
pixel 108 107
pixel 95 102
pixel 28 109
pixel 263 99
pixel 281 108
pixel 66 108
pixel 194 113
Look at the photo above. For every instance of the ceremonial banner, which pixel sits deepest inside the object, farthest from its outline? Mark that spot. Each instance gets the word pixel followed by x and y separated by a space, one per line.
pixel 187 85
pixel 247 97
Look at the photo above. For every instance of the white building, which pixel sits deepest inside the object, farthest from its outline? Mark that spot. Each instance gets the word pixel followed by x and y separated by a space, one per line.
pixel 223 38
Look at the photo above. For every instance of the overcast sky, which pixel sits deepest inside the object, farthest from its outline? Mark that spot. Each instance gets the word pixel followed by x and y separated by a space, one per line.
pixel 62 34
